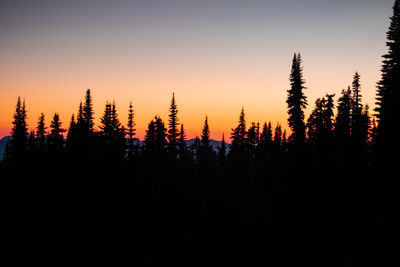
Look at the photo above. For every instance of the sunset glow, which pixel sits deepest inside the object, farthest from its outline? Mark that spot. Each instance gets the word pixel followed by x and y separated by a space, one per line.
pixel 217 56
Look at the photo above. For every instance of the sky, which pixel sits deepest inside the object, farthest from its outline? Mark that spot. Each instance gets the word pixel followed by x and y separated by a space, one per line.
pixel 216 56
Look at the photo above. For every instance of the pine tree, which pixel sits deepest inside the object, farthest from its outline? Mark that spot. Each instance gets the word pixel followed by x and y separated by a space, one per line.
pixel 278 135
pixel 343 117
pixel 388 93
pixel 173 124
pixel 55 140
pixel 131 131
pixel 297 102
pixel 112 133
pixel 205 134
pixel 87 111
pixel 182 148
pixel 222 152
pixel 41 134
pixel 150 137
pixel 16 152
pixel 239 134
pixel 71 131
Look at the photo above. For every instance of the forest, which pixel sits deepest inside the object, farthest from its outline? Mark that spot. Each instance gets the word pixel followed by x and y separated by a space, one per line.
pixel 327 194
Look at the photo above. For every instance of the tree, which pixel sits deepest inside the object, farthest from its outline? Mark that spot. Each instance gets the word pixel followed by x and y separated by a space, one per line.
pixel 296 101
pixel 155 139
pixel 206 158
pixel 173 123
pixel 343 118
pixel 41 134
pixel 278 135
pixel 222 152
pixel 388 93
pixel 182 148
pixel 131 131
pixel 55 140
pixel 320 122
pixel 87 111
pixel 112 133
pixel 17 149
pixel 239 134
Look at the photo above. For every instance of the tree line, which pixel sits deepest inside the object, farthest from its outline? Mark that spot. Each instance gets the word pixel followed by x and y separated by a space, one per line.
pixel 325 195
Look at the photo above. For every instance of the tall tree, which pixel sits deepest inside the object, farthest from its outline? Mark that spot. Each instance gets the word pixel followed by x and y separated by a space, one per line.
pixel 239 134
pixel 41 134
pixel 131 131
pixel 297 101
pixel 55 140
pixel 388 93
pixel 87 111
pixel 16 152
pixel 222 152
pixel 343 118
pixel 112 133
pixel 182 147
pixel 173 123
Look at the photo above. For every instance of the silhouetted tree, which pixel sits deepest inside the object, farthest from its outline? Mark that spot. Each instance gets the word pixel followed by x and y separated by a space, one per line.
pixel 182 147
pixel 41 135
pixel 343 118
pixel 173 124
pixel 239 136
pixel 17 149
pixel 297 102
pixel 87 111
pixel 55 140
pixel 206 153
pixel 388 94
pixel 112 133
pixel 131 131
pixel 222 153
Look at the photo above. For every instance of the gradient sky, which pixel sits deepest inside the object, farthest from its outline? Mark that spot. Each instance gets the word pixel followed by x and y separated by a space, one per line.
pixel 217 56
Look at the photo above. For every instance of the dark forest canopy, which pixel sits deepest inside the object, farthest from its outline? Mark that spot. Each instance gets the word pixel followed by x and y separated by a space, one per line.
pixel 325 195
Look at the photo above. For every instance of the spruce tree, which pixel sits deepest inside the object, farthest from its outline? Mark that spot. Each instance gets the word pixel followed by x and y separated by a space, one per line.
pixel 55 140
pixel 112 133
pixel 182 148
pixel 343 118
pixel 131 131
pixel 239 134
pixel 388 94
pixel 205 135
pixel 87 111
pixel 41 134
pixel 297 102
pixel 222 152
pixel 17 149
pixel 173 123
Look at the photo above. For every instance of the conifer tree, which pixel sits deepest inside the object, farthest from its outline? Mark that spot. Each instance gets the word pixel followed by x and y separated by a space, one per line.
pixel 205 134
pixel 182 148
pixel 173 124
pixel 222 152
pixel 55 140
pixel 41 134
pixel 112 133
pixel 278 135
pixel 87 111
pixel 343 117
pixel 131 131
pixel 16 152
pixel 297 101
pixel 239 134
pixel 388 93
pixel 150 137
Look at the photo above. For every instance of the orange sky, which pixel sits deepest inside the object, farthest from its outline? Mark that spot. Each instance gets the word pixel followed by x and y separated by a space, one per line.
pixel 216 60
